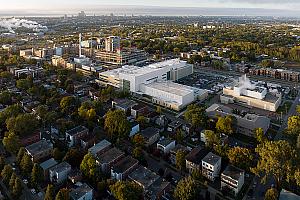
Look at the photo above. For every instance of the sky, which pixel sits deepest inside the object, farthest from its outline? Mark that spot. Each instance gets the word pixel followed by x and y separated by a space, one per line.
pixel 76 5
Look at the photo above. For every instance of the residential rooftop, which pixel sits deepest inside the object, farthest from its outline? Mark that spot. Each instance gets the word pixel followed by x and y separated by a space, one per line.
pixel 61 167
pixel 80 191
pixel 39 146
pixel 124 164
pixel 103 144
pixel 165 142
pixel 143 176
pixel 149 132
pixel 211 158
pixel 196 155
pixel 233 172
pixel 109 155
pixel 77 129
pixel 48 164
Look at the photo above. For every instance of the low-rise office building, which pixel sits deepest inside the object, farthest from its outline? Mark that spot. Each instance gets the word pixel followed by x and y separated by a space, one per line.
pixel 251 94
pixel 245 124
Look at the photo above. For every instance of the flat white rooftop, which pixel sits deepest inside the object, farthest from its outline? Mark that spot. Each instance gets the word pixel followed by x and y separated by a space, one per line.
pixel 171 87
pixel 137 71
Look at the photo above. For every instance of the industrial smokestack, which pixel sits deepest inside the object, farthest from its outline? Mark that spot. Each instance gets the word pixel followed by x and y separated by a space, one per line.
pixel 80 38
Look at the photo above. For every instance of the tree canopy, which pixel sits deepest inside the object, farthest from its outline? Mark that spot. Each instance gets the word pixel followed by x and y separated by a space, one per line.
pixel 126 190
pixel 187 189
pixel 117 124
pixel 275 159
pixel 195 115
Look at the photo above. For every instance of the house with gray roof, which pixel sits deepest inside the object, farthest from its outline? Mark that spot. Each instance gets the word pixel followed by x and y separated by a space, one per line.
pixel 39 150
pixel 100 147
pixel 59 173
pixel 211 166
pixel 46 166
pixel 232 179
pixel 83 192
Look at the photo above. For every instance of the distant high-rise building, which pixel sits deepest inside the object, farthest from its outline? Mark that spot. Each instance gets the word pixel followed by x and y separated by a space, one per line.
pixel 112 43
pixel 81 14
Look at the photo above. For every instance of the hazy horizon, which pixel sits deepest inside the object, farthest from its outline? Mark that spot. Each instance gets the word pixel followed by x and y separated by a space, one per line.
pixel 154 10
pixel 289 8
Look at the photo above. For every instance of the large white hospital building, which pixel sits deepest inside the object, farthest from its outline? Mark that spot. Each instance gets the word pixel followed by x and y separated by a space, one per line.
pixel 156 81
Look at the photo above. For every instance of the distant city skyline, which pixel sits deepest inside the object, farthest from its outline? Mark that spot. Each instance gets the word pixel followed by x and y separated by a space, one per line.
pixel 274 7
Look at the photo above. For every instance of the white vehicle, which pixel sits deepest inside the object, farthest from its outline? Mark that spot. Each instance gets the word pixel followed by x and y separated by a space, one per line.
pixel 25 181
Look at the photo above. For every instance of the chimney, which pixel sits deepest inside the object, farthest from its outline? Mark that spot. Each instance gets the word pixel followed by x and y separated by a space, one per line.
pixel 80 38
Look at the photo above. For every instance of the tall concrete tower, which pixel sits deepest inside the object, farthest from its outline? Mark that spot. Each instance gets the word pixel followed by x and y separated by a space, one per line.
pixel 80 39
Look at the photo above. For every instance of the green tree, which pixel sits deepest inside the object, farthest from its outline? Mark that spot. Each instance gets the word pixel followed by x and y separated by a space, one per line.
pixel 187 189
pixel 5 98
pixel 63 194
pixel 6 173
pixel 73 157
pixel 24 84
pixel 141 120
pixel 50 193
pixel 221 150
pixel 26 165
pixel 11 143
pixel 298 109
pixel 17 189
pixel 138 140
pixel 68 104
pixel 88 166
pixel 240 157
pixel 117 124
pixel 271 194
pixel 41 112
pixel 2 162
pixel 23 124
pixel 180 160
pixel 260 135
pixel 225 125
pixel 86 111
pixel 195 115
pixel 138 153
pixel 293 125
pixel 20 155
pixel 36 175
pixel 297 176
pixel 12 180
pixel 275 159
pixel 10 111
pixel 211 138
pixel 179 136
pixel 57 154
pixel 126 190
